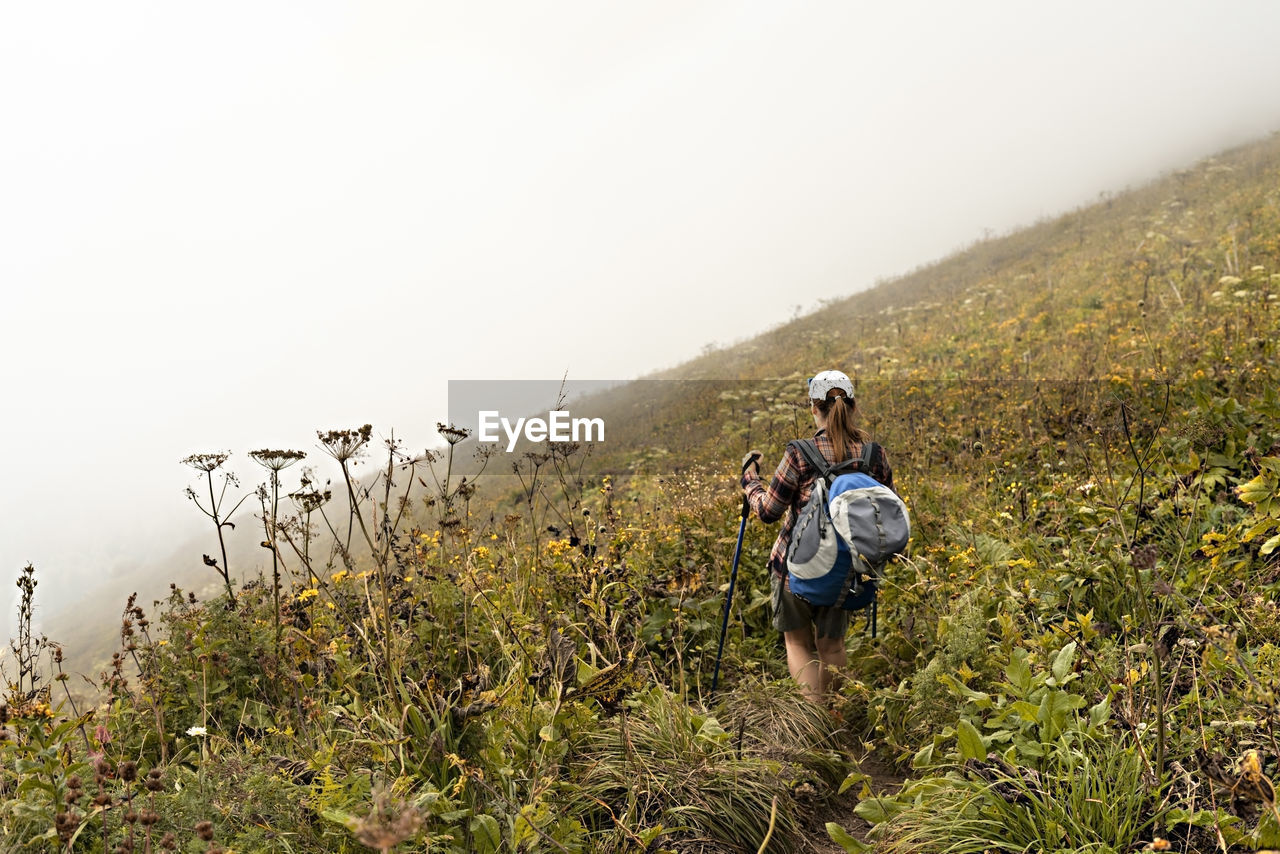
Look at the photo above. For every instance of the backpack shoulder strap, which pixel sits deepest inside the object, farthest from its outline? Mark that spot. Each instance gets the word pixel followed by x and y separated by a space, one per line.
pixel 868 451
pixel 814 457
pixel 853 464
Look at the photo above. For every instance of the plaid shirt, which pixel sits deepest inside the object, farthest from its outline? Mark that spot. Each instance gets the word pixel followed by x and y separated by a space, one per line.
pixel 790 488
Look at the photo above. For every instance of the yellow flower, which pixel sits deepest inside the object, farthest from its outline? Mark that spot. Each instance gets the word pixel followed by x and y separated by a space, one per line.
pixel 309 593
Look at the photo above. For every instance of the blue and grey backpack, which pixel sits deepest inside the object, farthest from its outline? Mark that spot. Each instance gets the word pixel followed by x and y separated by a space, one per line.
pixel 850 527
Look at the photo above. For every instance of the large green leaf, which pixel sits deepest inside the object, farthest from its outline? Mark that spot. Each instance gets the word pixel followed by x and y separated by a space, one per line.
pixel 841 837
pixel 1257 490
pixel 1053 713
pixel 1019 672
pixel 486 835
pixel 970 741
pixel 1064 661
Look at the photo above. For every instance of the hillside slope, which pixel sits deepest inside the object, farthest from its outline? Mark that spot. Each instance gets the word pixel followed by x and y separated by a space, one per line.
pixel 1078 653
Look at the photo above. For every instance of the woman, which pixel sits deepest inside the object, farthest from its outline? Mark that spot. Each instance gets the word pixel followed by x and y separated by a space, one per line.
pixel 814 636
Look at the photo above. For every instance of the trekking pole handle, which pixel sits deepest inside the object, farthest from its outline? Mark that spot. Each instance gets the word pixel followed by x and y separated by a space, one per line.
pixel 752 460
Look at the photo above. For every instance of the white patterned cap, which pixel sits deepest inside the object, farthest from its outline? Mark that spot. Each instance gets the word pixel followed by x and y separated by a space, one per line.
pixel 821 385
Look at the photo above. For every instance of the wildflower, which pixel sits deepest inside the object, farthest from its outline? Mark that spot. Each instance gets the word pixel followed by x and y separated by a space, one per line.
pixel 309 593
pixel 1230 280
pixel 197 731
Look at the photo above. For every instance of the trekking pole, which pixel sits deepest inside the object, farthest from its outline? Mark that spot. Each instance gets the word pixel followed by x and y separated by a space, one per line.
pixel 733 578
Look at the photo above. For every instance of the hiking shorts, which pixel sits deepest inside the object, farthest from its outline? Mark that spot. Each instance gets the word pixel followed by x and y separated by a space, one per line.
pixel 790 612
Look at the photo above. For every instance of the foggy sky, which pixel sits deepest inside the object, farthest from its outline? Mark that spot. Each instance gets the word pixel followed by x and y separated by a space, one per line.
pixel 228 226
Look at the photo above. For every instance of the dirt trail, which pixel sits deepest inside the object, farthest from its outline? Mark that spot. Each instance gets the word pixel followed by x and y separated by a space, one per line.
pixel 885 780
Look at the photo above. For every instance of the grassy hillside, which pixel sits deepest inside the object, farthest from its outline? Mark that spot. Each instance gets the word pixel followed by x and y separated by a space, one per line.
pixel 1078 653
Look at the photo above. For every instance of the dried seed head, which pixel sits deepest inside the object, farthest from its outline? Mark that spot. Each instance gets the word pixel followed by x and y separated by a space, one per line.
pixel 452 433
pixel 390 821
pixel 276 460
pixel 342 445
pixel 66 824
pixel 207 462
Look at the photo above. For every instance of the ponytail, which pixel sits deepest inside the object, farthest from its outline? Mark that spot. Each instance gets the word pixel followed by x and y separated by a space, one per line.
pixel 838 410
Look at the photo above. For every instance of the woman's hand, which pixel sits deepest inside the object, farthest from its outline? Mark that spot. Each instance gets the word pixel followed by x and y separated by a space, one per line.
pixel 751 461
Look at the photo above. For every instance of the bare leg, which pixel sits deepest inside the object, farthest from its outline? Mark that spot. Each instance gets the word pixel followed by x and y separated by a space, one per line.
pixel 832 654
pixel 802 661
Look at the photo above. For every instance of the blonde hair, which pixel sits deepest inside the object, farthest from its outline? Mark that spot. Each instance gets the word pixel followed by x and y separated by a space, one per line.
pixel 838 411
